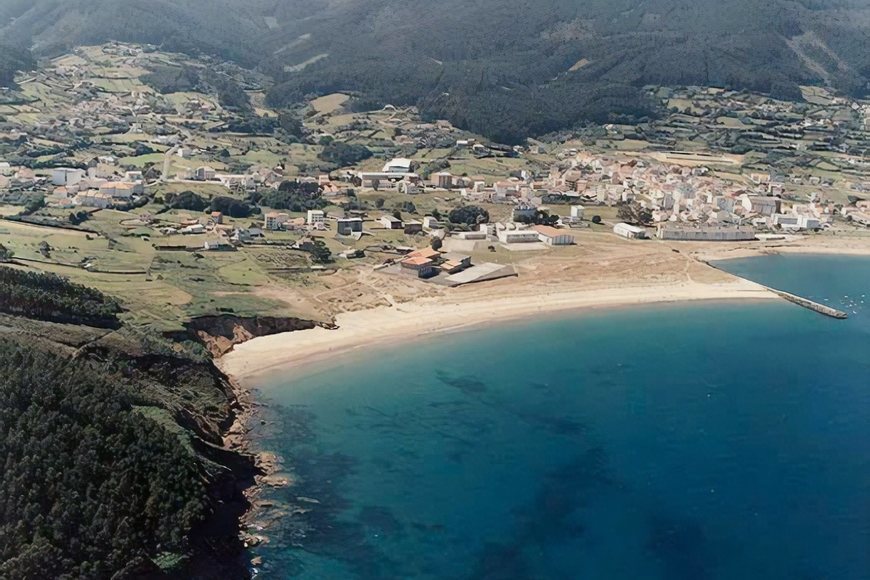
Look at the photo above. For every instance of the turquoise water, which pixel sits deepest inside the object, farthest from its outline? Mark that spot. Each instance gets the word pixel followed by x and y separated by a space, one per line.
pixel 679 442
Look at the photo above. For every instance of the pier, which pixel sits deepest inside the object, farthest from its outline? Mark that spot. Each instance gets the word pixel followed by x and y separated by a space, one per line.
pixel 807 303
pixel 793 298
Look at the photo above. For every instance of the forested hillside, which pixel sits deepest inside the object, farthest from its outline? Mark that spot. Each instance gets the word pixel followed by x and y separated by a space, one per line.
pixel 89 488
pixel 111 458
pixel 13 59
pixel 505 68
pixel 50 297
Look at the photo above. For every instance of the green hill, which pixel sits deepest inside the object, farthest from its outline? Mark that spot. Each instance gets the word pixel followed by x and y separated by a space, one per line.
pixel 504 68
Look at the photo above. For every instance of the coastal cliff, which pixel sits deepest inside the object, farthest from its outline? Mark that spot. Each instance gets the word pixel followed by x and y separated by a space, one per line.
pixel 219 334
pixel 170 385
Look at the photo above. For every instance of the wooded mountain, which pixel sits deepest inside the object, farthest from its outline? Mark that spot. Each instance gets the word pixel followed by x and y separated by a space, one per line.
pixel 505 68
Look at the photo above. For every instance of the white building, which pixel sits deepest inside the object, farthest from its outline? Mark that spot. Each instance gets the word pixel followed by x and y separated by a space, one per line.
pixel 554 237
pixel 391 222
pixel 93 198
pixel 398 165
pixel 796 222
pixel 193 229
pixel 706 234
pixel 577 212
pixel 204 173
pixel 120 189
pixel 443 180
pixel 275 221
pixel 66 176
pixel 629 231
pixel 514 236
pixel 430 223
pixel 315 217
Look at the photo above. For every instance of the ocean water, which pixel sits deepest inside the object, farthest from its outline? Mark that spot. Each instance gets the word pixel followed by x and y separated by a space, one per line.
pixel 704 441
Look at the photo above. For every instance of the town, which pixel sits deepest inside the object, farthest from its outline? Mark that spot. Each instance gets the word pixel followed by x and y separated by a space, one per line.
pixel 105 177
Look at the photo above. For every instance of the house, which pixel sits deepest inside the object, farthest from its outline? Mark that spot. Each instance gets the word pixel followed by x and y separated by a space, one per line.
pixel 391 222
pixel 93 198
pixel 427 252
pixel 398 165
pixel 315 217
pixel 349 226
pixel 118 189
pixel 763 205
pixel 203 173
pixel 455 262
pixel 66 176
pixel 577 212
pixel 523 212
pixel 193 229
pixel 505 189
pixel 430 223
pixel 217 244
pixel 553 236
pixel 275 221
pixel 217 217
pixel 443 180
pixel 410 187
pixel 417 263
pixel 629 231
pixel 413 227
pixel 383 180
pixel 796 222
pixel 514 236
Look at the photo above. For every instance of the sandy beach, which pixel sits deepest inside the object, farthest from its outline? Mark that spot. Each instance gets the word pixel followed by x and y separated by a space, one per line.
pixel 603 273
pixel 266 355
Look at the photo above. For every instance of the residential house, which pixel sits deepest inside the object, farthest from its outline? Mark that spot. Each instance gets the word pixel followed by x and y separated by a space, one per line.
pixel 629 231
pixel 391 222
pixel 349 226
pixel 316 218
pixel 443 180
pixel 275 221
pixel 93 198
pixel 553 236
pixel 66 176
pixel 430 223
pixel 413 227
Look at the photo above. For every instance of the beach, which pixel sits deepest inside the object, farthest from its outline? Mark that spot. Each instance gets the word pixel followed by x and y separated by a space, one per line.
pixel 604 273
pixel 258 358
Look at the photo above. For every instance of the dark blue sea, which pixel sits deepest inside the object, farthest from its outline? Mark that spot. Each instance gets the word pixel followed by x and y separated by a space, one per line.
pixel 691 442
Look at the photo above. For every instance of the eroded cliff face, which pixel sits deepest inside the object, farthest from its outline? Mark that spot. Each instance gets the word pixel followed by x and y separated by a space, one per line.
pixel 219 334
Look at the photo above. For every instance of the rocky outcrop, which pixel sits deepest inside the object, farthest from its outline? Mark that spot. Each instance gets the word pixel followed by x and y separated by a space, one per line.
pixel 221 333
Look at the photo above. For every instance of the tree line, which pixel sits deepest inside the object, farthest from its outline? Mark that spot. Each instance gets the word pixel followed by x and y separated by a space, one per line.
pixel 52 298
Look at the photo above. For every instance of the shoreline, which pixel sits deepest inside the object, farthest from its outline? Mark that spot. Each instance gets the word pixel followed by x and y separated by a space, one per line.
pixel 255 360
pixel 249 364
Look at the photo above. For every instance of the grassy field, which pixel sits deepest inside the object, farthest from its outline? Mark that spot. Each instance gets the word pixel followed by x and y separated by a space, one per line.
pixel 157 288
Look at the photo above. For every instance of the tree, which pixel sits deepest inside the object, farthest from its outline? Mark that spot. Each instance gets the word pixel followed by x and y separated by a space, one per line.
pixel 320 253
pixel 6 254
pixel 45 249
pixel 291 124
pixel 230 206
pixel 344 154
pixel 436 243
pixel 469 214
pixel 635 214
pixel 596 219
pixel 186 200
